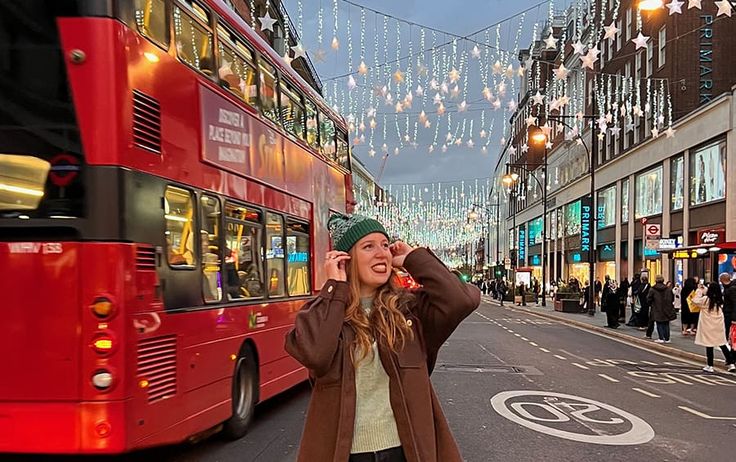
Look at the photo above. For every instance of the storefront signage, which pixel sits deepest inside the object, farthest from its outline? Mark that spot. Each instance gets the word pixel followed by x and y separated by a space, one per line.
pixel 607 252
pixel 535 260
pixel 586 224
pixel 667 244
pixel 684 254
pixel 653 232
pixel 710 236
pixel 705 54
pixel 522 246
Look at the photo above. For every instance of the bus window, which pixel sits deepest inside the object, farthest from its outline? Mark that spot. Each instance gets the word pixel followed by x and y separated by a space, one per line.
pixel 268 100
pixel 237 67
pixel 342 149
pixel 193 37
pixel 179 213
pixel 297 257
pixel 275 254
pixel 327 136
pixel 243 254
pixel 292 110
pixel 152 21
pixel 312 128
pixel 211 255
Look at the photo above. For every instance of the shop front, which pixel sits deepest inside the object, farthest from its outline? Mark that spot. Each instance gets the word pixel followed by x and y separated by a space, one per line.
pixel 577 266
pixel 535 261
pixel 606 265
pixel 651 263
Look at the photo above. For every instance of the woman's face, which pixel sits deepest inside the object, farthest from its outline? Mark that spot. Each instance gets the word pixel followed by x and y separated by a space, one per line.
pixel 373 260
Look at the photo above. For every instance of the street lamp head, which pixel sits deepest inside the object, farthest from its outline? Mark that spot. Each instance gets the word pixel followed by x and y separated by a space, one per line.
pixel 473 215
pixel 514 177
pixel 507 180
pixel 537 136
pixel 650 5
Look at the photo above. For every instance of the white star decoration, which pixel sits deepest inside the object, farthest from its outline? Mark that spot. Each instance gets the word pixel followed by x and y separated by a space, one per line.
pixel 320 55
pixel 611 31
pixel 531 120
pixel 475 52
pixel 299 51
pixel 561 72
pixel 655 132
pixel 497 68
pixel 538 98
pixel 267 22
pixel 590 58
pixel 640 40
pixel 578 47
pixel 670 132
pixel 550 42
pixel 675 6
pixel 362 68
pixel 454 75
pixel 724 7
pixel 694 4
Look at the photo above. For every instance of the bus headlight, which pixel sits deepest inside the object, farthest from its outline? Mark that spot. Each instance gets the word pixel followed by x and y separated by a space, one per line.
pixel 102 380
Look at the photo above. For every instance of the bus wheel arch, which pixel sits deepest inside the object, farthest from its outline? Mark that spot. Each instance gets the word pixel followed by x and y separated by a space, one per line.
pixel 245 391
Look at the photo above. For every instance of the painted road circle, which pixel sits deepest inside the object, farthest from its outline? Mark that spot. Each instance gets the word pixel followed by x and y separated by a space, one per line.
pixel 572 417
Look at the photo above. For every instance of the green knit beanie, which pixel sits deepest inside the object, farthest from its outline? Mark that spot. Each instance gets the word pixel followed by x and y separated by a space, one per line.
pixel 346 230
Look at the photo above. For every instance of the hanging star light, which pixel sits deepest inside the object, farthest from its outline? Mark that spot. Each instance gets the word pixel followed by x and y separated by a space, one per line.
pixel 538 98
pixel 497 68
pixel 611 31
pixel 372 123
pixel 470 143
pixel 550 42
pixel 578 47
pixel 548 145
pixel 561 72
pixel 475 52
pixel 437 99
pixel 724 8
pixel 455 92
pixel 444 148
pixel 362 68
pixel 372 152
pixel 670 132
pixel 483 133
pixel 458 142
pixel 320 55
pixel 267 22
pixel 487 93
pixel 694 4
pixel 497 104
pixel 427 123
pixel 419 91
pixel 422 69
pixel 615 130
pixel 422 117
pixel 640 40
pixel 462 107
pixel 335 44
pixel 675 6
pixel 287 59
pixel 299 51
pixel 510 72
pixel 434 85
pixel 399 107
pixel 601 136
pixel 531 120
pixel 453 75
pixel 511 105
pixel 371 112
pixel 440 109
pixel 524 148
pixel 512 150
pixel 655 132
pixel 351 82
pixel 398 76
pixel 444 88
pixel 430 148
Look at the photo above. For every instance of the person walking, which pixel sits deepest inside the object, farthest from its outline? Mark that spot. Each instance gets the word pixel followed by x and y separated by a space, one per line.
pixel 634 301
pixel 686 316
pixel 662 311
pixel 370 346
pixel 644 320
pixel 623 292
pixel 729 301
pixel 610 302
pixel 710 326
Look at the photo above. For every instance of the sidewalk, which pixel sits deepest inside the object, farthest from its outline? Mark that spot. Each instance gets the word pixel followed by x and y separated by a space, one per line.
pixel 681 346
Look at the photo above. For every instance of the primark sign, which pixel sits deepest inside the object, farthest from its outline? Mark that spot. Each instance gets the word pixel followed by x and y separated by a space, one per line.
pixel 586 225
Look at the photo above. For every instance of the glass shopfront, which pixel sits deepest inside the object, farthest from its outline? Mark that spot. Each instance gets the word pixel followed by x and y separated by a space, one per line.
pixel 708 174
pixel 572 219
pixel 677 184
pixel 648 193
pixel 606 207
pixel 625 201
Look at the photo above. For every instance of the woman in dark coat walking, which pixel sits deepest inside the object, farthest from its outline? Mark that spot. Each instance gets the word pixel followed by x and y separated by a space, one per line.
pixel 687 317
pixel 610 303
pixel 623 292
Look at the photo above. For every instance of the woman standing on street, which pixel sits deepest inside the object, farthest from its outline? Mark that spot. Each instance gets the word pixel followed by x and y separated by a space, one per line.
pixel 710 326
pixel 370 346
pixel 688 287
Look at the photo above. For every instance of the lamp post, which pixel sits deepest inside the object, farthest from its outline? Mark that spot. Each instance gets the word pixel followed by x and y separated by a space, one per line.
pixel 509 180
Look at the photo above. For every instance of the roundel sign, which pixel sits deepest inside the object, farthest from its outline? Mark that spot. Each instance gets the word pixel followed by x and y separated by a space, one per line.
pixel 64 168
pixel 572 417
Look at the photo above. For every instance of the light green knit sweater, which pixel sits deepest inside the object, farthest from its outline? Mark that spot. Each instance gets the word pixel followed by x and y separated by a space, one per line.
pixel 375 426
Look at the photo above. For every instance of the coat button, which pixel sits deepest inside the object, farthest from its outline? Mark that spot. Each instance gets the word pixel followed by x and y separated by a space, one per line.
pixel 329 290
pixel 409 323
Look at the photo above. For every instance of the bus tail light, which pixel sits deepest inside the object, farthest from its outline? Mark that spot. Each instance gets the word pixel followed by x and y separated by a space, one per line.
pixel 102 380
pixel 102 307
pixel 103 343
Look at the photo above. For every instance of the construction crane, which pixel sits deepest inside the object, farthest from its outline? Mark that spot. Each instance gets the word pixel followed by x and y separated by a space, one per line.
pixel 383 167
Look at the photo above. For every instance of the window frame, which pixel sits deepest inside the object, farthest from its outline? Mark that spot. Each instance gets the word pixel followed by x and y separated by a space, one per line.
pixel 267 275
pixel 168 12
pixel 261 250
pixel 291 92
pixel 308 234
pixel 220 242
pixel 183 6
pixel 657 168
pixel 673 180
pixel 661 46
pixel 194 225
pixel 234 48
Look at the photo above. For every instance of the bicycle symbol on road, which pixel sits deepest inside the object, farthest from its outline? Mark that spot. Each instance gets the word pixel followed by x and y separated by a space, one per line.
pixel 572 417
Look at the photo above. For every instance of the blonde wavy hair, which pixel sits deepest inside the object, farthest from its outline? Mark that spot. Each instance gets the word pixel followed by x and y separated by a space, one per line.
pixel 386 322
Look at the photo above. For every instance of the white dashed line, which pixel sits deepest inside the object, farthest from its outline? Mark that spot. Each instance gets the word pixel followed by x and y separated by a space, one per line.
pixel 525 339
pixel 544 349
pixel 649 363
pixel 561 357
pixel 518 335
pixel 610 379
pixel 644 392
pixel 580 366
pixel 533 344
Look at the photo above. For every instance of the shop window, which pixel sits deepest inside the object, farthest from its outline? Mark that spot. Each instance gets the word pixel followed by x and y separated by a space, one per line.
pixel 292 110
pixel 211 255
pixel 625 201
pixel 327 136
pixel 708 174
pixel 606 207
pixel 152 20
pixel 237 69
pixel 243 252
pixel 268 96
pixel 275 254
pixel 193 37
pixel 572 219
pixel 179 213
pixel 312 126
pixel 648 193
pixel 677 185
pixel 297 257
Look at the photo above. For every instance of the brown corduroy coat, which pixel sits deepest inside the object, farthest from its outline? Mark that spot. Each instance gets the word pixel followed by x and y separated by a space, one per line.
pixel 321 341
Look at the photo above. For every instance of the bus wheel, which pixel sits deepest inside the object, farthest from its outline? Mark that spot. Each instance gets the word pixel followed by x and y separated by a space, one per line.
pixel 245 394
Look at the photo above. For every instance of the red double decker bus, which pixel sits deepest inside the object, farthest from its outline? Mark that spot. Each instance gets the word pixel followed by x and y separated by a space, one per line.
pixel 165 184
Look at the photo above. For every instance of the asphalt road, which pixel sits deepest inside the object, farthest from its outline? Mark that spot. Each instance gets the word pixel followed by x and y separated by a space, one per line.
pixel 521 388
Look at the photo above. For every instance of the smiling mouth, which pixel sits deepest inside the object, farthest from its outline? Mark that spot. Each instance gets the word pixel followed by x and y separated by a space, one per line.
pixel 380 268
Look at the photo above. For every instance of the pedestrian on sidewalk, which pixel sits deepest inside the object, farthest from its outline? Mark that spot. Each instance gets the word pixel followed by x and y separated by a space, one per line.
pixel 729 301
pixel 370 345
pixel 623 292
pixel 686 316
pixel 643 318
pixel 662 310
pixel 634 301
pixel 610 302
pixel 710 326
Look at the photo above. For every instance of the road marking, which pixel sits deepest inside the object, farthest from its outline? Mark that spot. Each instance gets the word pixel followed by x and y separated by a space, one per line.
pixel 533 344
pixel 649 363
pixel 551 413
pixel 580 366
pixel 518 335
pixel 610 379
pixel 525 339
pixel 544 349
pixel 644 392
pixel 561 357
pixel 511 331
pixel 704 415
